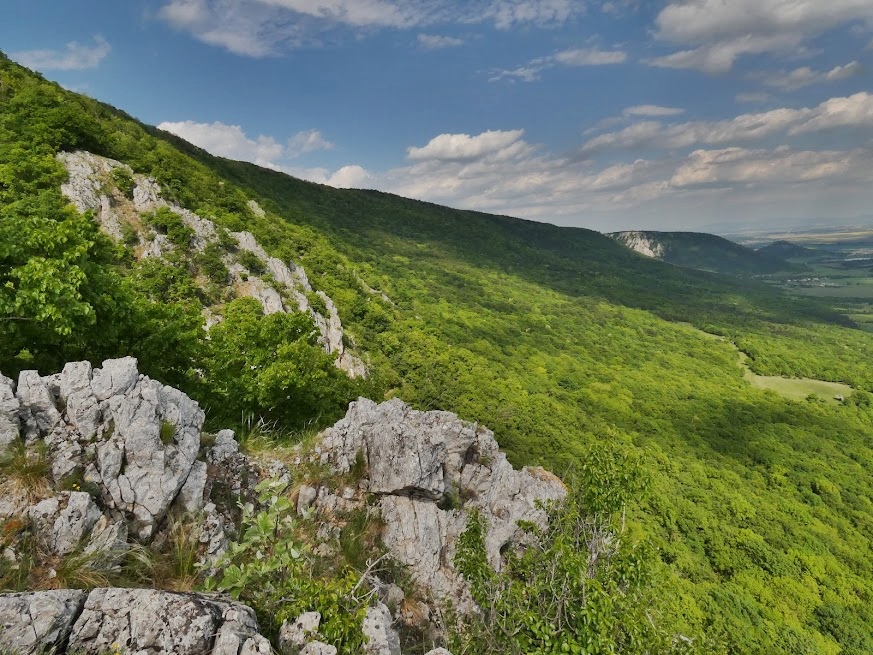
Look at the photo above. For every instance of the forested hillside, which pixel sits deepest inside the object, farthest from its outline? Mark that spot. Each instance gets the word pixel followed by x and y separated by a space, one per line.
pixel 706 252
pixel 753 511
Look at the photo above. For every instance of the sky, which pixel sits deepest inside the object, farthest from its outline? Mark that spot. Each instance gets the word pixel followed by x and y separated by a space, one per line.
pixel 716 115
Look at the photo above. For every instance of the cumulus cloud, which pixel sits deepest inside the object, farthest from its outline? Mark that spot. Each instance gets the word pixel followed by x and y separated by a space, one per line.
pixel 530 71
pixel 714 33
pixel 733 166
pixel 259 28
pixel 437 42
pixel 806 76
pixel 76 56
pixel 463 147
pixel 498 171
pixel 228 141
pixel 308 141
pixel 853 111
pixel 232 142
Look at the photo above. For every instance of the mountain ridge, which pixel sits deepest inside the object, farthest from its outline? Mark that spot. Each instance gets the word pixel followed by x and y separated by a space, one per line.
pixel 575 350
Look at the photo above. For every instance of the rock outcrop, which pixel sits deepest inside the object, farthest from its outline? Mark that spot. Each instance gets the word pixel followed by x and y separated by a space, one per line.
pixel 127 621
pixel 90 188
pixel 134 443
pixel 123 450
pixel 429 470
pixel 39 622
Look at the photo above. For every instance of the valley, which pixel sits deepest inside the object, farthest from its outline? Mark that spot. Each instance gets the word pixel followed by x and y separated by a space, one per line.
pixel 746 517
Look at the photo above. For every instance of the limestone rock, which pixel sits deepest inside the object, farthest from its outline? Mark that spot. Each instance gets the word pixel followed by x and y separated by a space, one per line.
pixel 88 177
pixel 36 405
pixel 255 208
pixel 293 637
pixel 191 497
pixel 142 466
pixel 37 622
pixel 63 522
pixel 438 651
pixel 8 413
pixel 382 639
pixel 428 470
pixel 318 648
pixel 82 406
pixel 149 621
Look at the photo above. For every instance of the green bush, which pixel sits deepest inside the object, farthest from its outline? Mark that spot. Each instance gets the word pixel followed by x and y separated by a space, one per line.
pixel 209 263
pixel 124 181
pixel 270 570
pixel 170 223
pixel 252 262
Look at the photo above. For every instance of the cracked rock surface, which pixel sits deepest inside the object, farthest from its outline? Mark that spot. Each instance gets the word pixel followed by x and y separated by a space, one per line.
pixel 32 623
pixel 429 470
pixel 136 621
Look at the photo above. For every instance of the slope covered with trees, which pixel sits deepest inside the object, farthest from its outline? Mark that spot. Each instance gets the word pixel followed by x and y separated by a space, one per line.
pixel 706 252
pixel 580 354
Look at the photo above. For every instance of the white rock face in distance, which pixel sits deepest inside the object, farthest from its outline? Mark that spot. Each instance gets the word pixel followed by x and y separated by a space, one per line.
pixel 417 460
pixel 86 189
pixel 641 243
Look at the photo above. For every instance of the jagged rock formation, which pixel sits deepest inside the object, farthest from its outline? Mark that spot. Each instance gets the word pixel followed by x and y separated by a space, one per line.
pixel 90 189
pixel 136 441
pixel 134 450
pixel 429 470
pixel 127 620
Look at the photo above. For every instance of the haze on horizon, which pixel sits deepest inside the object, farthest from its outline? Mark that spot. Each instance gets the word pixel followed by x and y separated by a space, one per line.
pixel 671 114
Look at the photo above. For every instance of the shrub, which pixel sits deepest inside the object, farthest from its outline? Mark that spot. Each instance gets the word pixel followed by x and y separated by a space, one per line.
pixel 270 571
pixel 252 262
pixel 168 432
pixel 211 265
pixel 170 223
pixel 124 181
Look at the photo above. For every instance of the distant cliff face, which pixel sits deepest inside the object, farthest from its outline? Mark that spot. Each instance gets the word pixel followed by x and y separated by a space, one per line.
pixel 641 242
pixel 701 251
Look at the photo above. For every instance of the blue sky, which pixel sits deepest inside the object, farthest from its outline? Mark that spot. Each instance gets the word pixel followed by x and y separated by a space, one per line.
pixel 619 114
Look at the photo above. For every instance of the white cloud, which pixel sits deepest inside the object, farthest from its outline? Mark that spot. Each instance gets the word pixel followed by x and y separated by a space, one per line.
pixel 851 69
pixel 303 143
pixel 590 57
pixel 498 171
pixel 460 147
pixel 753 97
pixel 853 111
pixel 806 76
pixel 437 42
pixel 259 28
pixel 349 177
pixel 576 57
pixel 462 171
pixel 76 56
pixel 716 32
pixel 231 141
pixel 733 166
pixel 508 13
pixel 652 110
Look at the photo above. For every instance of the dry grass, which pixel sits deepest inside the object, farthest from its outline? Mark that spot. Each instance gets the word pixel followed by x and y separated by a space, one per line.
pixel 24 474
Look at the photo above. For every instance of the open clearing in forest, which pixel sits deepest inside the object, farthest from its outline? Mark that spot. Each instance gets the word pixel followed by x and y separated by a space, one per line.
pixel 790 388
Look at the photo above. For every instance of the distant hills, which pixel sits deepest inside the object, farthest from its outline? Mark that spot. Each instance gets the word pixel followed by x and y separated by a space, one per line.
pixel 786 250
pixel 706 252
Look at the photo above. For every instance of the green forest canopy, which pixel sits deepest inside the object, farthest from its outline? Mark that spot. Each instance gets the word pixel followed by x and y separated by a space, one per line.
pixel 565 343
